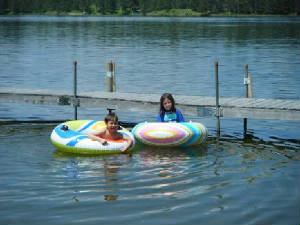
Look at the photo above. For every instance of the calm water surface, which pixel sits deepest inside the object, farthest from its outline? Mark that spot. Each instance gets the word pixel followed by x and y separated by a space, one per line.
pixel 153 54
pixel 233 180
pixel 226 182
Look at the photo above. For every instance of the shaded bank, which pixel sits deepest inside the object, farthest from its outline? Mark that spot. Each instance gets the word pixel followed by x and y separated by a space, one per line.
pixel 150 7
pixel 162 13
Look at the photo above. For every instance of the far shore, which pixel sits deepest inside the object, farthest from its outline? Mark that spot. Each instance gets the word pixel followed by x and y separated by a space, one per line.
pixel 163 13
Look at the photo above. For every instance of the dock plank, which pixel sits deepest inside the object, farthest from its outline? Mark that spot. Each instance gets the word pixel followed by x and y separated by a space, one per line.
pixel 190 105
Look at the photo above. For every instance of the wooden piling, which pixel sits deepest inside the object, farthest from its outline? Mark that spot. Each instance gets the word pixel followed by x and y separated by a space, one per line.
pixel 110 77
pixel 248 92
pixel 217 98
pixel 75 91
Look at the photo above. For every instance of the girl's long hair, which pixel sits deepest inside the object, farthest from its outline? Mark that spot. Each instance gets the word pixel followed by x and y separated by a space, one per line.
pixel 162 98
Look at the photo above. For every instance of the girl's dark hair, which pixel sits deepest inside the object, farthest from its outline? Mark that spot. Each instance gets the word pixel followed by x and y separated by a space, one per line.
pixel 162 98
pixel 111 117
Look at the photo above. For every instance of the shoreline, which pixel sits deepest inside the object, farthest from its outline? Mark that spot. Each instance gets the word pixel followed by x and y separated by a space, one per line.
pixel 170 13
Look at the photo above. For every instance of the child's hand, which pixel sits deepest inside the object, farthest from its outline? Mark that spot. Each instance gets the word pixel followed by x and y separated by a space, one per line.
pixel 124 149
pixel 103 141
pixel 127 146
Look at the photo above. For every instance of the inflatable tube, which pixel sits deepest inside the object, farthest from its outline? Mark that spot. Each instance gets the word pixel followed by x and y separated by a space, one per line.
pixel 72 137
pixel 170 134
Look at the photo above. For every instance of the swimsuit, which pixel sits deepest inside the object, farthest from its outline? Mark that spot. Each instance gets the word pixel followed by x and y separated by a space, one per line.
pixel 171 117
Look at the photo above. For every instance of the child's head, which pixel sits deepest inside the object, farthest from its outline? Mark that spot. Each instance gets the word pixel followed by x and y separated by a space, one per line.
pixel 167 103
pixel 111 117
pixel 111 121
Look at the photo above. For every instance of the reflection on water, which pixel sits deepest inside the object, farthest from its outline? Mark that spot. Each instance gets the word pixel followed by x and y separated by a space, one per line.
pixel 176 173
pixel 152 185
pixel 82 167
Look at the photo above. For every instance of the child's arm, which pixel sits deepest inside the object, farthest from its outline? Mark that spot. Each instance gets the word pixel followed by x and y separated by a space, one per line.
pixel 159 118
pixel 128 143
pixel 96 136
pixel 180 117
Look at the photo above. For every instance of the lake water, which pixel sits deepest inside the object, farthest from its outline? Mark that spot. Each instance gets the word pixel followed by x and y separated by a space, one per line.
pixel 231 180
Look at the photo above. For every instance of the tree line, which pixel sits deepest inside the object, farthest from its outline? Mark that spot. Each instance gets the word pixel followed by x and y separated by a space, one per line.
pixel 129 7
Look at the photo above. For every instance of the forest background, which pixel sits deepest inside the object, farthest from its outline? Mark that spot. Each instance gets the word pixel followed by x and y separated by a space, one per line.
pixel 151 7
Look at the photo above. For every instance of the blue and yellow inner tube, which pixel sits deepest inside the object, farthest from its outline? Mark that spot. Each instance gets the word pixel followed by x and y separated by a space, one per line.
pixel 72 137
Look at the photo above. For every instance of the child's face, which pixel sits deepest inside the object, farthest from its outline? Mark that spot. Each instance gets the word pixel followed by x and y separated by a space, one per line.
pixel 167 104
pixel 112 126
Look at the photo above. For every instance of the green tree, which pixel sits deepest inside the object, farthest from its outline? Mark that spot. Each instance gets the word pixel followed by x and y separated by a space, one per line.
pixel 126 6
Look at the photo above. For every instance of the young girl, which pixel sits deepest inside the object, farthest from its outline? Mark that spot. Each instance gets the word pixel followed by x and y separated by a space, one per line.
pixel 168 112
pixel 110 132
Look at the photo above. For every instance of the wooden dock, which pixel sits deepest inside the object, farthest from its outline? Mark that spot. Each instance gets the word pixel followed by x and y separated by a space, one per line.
pixel 259 108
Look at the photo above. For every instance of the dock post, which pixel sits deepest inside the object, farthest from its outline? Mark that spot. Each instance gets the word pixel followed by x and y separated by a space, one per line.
pixel 110 77
pixel 250 92
pixel 75 90
pixel 246 83
pixel 217 98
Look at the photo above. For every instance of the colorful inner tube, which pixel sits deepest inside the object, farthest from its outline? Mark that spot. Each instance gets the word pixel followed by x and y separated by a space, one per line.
pixel 170 134
pixel 72 137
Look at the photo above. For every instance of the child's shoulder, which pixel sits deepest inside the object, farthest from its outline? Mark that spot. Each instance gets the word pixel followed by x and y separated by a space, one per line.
pixel 102 129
